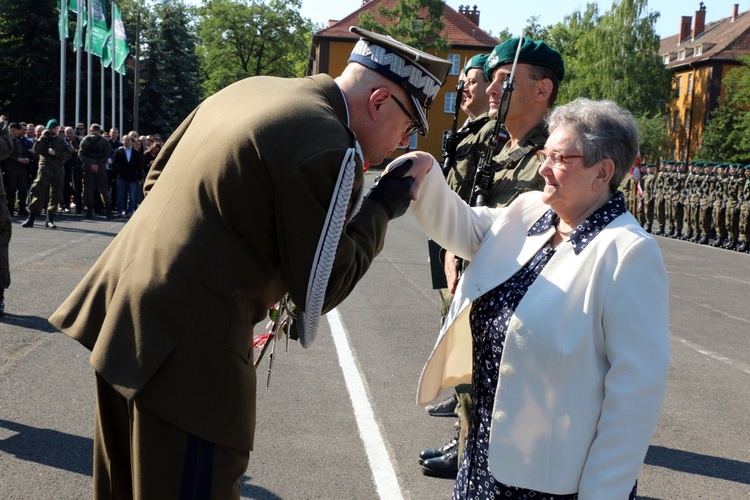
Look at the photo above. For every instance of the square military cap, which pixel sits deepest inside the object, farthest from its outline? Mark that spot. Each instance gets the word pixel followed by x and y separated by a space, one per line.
pixel 420 74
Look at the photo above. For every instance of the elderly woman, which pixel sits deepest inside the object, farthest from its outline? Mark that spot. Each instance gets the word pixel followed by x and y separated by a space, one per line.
pixel 565 301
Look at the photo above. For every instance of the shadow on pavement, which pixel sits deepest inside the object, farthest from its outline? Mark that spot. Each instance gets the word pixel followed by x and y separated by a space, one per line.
pixel 29 322
pixel 248 490
pixel 49 447
pixel 696 463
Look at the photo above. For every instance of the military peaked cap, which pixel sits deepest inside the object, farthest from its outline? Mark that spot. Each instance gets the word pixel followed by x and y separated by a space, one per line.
pixel 420 74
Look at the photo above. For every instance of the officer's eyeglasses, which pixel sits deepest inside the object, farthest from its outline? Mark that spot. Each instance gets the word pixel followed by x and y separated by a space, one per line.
pixel 557 158
pixel 415 126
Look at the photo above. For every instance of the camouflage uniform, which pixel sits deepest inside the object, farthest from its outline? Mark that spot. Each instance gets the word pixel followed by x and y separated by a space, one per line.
pixel 736 181
pixel 52 151
pixel 677 199
pixel 705 209
pixel 744 240
pixel 659 201
pixel 720 205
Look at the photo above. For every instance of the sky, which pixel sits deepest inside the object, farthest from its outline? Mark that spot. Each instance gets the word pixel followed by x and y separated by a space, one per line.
pixel 495 15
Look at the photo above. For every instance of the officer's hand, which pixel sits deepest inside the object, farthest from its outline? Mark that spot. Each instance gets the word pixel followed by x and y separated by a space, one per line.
pixel 421 163
pixel 392 191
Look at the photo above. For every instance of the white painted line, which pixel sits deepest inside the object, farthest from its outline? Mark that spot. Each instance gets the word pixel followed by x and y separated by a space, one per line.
pixel 743 367
pixel 381 466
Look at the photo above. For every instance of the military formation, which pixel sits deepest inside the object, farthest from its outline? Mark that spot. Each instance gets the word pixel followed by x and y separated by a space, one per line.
pixel 705 203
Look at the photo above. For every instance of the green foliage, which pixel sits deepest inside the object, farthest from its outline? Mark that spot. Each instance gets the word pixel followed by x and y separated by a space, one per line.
pixel 655 140
pixel 404 23
pixel 29 60
pixel 243 38
pixel 727 134
pixel 611 56
pixel 170 69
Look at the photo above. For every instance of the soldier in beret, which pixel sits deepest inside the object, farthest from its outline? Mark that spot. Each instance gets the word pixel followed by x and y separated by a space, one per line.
pixel 744 241
pixel 226 229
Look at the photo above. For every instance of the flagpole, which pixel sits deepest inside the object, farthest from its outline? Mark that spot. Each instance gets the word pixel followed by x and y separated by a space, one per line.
pixel 63 10
pixel 112 62
pixel 122 131
pixel 101 93
pixel 79 32
pixel 89 64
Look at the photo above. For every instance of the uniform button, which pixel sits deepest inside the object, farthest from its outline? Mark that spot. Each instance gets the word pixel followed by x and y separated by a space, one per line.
pixel 499 416
pixel 515 324
pixel 506 370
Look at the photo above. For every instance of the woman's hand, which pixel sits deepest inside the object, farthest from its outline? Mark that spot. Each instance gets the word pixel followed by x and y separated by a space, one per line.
pixel 421 164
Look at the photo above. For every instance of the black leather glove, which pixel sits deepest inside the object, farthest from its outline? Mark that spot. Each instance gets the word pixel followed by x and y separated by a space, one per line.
pixel 392 191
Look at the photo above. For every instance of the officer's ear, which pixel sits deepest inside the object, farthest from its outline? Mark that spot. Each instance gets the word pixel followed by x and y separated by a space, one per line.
pixel 378 97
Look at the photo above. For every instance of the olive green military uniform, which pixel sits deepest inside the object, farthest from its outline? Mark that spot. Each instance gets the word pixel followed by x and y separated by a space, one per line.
pixel 659 208
pixel 474 139
pixel 706 204
pixel 720 208
pixel 95 150
pixel 734 185
pixel 6 225
pixel 16 177
pixel 744 239
pixel 52 151
pixel 648 200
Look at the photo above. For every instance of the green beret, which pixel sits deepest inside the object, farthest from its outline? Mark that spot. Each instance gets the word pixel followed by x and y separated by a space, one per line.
pixel 52 123
pixel 476 62
pixel 533 52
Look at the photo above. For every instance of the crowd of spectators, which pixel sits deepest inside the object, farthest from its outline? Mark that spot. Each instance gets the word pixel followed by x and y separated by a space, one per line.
pixel 126 168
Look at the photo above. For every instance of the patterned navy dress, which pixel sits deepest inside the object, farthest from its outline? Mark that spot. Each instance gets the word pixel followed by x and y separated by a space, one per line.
pixel 489 318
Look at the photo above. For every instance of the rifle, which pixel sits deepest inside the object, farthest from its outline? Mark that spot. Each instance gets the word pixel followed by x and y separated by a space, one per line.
pixel 485 174
pixel 451 142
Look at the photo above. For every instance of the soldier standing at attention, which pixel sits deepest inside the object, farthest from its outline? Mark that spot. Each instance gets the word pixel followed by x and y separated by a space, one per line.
pixel 678 200
pixel 720 205
pixel 744 241
pixel 52 151
pixel 734 186
pixel 6 225
pixel 95 152
pixel 648 197
pixel 15 175
pixel 659 181
pixel 233 221
pixel 706 204
pixel 474 137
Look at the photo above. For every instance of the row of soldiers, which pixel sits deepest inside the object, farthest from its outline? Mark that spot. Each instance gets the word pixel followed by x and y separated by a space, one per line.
pixel 696 202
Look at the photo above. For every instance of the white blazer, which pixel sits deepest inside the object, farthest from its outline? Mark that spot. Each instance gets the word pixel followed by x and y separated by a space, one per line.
pixel 586 357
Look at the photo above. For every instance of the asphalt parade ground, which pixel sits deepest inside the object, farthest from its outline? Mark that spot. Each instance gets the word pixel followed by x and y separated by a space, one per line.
pixel 339 419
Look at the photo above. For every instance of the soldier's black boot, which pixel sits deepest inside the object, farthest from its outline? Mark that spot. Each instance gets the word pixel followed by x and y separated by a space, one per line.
pixel 696 238
pixel 89 213
pixel 29 222
pixel 50 223
pixel 703 240
pixel 718 243
pixel 730 244
pixel 687 236
pixel 742 246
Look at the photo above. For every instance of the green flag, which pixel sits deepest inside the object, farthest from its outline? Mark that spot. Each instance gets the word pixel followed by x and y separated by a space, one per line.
pixel 121 44
pixel 73 7
pixel 63 21
pixel 99 34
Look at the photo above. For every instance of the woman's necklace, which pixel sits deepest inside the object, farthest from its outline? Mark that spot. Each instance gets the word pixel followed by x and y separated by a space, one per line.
pixel 562 233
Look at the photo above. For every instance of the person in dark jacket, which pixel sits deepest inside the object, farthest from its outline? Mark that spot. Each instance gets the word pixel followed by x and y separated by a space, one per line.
pixel 127 164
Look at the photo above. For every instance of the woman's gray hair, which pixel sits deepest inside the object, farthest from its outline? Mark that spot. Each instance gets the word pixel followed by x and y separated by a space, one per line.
pixel 603 130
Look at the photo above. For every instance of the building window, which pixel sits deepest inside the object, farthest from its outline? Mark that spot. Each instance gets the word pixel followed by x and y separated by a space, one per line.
pixel 690 84
pixel 681 55
pixel 450 102
pixel 666 59
pixel 699 50
pixel 687 119
pixel 676 122
pixel 679 86
pixel 455 59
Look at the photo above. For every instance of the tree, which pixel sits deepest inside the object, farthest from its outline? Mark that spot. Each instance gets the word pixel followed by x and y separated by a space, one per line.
pixel 405 23
pixel 655 140
pixel 727 134
pixel 171 68
pixel 613 56
pixel 29 52
pixel 243 38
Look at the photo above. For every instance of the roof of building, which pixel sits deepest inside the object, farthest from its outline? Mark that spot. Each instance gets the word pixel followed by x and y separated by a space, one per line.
pixel 458 30
pixel 725 39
